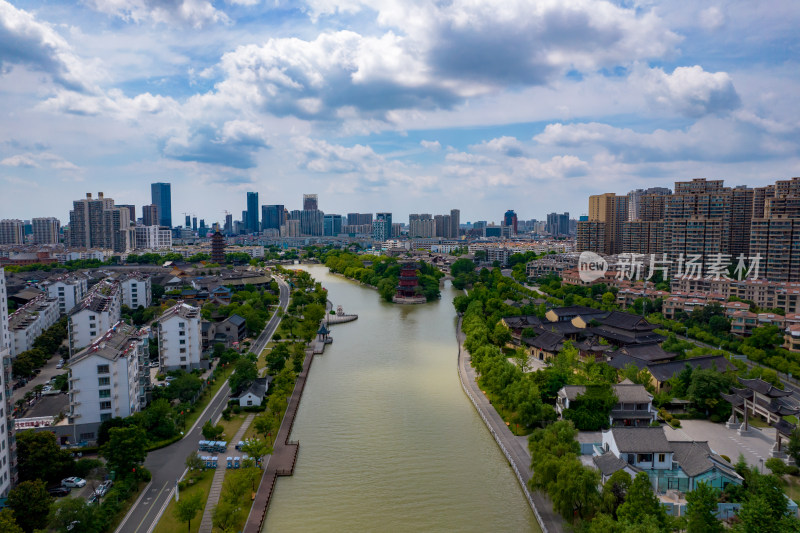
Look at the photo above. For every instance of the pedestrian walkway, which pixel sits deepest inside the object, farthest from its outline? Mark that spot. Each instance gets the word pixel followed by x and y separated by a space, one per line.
pixel 512 448
pixel 219 477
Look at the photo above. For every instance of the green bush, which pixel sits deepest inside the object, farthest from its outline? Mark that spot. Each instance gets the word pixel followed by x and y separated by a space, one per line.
pixel 84 466
pixel 715 419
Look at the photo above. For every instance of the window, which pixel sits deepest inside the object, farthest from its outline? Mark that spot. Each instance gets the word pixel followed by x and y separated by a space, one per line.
pixel 182 341
pixel 105 416
pixel 103 382
pixel 102 369
pixel 644 458
pixel 183 359
pixel 87 436
pixel 105 393
pixel 249 402
pixel 105 405
pixel 93 333
pixel 182 333
pixel 181 324
pixel 662 457
pixel 183 350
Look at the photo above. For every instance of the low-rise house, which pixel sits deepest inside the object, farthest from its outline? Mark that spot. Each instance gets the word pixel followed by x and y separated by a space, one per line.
pixel 566 314
pixel 254 394
pixel 545 346
pixel 99 310
pixel 743 322
pixel 634 404
pixel 228 332
pixel 732 307
pixel 180 338
pixel 69 289
pixel 670 465
pixel 662 372
pixel 30 321
pixel 108 378
pixel 623 329
pixel 791 338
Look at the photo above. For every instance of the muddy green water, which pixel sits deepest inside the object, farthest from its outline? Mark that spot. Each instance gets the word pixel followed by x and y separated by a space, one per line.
pixel 388 439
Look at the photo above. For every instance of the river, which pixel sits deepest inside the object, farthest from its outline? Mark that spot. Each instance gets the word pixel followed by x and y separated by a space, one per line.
pixel 388 439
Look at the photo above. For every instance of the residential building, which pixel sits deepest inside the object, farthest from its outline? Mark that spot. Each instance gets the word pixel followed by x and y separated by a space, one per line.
pixel 131 211
pixel 359 219
pixel 613 210
pixel 332 225
pixel 161 197
pixel 791 338
pixel 291 228
pixel 591 236
pixel 150 215
pixel 312 222
pixel 180 337
pixel 634 405
pixel 11 231
pixel 152 238
pixel 775 230
pixel 97 223
pixel 136 290
pixel 68 289
pixel 254 394
pixel 636 201
pixel 109 378
pixel 98 311
pixel 421 226
pixel 455 223
pixel 8 469
pixel 46 230
pixel 251 222
pixel 670 464
pixel 558 224
pixel 382 227
pixel 30 321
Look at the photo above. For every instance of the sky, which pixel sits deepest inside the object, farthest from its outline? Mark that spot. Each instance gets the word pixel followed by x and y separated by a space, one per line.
pixel 407 106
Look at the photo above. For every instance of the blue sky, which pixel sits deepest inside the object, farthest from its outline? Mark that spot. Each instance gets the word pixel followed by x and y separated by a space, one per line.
pixel 404 105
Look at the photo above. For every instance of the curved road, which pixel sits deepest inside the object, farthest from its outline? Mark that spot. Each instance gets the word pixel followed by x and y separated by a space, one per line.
pixel 167 465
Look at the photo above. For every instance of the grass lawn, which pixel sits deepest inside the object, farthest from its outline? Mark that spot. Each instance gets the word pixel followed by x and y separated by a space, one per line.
pixel 757 422
pixel 168 522
pixel 791 486
pixel 209 393
pixel 232 426
pixel 262 358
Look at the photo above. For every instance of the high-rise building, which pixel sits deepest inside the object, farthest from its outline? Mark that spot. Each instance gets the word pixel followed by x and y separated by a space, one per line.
pixel 252 213
pixel 510 220
pixel 382 227
pixel 272 216
pixel 455 223
pixel 312 222
pixel 310 202
pixel 150 215
pixel 332 225
pixel 45 230
pixel 359 219
pixel 591 236
pixel 636 196
pixel 558 224
pixel 131 211
pixel 775 235
pixel 194 223
pixel 97 223
pixel 228 224
pixel 421 226
pixel 7 447
pixel 11 231
pixel 161 195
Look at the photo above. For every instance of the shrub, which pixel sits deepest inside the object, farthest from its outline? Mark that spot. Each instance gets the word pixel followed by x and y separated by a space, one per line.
pixel 236 409
pixel 715 418
pixel 84 466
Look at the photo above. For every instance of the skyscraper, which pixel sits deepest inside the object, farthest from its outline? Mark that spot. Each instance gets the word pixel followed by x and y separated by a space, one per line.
pixel 310 202
pixel 332 225
pixel 228 224
pixel 188 223
pixel 252 213
pixel 272 216
pixel 455 223
pixel 98 223
pixel 11 232
pixel 161 195
pixel 510 219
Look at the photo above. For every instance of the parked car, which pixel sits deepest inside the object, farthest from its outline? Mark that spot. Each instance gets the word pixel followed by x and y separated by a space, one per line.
pixel 169 378
pixel 58 492
pixel 73 482
pixel 93 497
pixel 60 365
pixel 154 364
pixel 104 487
pixel 47 388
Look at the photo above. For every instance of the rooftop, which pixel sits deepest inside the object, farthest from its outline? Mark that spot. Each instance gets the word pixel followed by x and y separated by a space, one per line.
pixel 116 342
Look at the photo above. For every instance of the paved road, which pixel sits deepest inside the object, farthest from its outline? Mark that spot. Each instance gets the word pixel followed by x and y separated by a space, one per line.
pixel 48 371
pixel 167 465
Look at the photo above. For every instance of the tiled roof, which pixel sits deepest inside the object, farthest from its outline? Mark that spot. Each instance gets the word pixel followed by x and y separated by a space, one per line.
pixel 640 440
pixel 608 463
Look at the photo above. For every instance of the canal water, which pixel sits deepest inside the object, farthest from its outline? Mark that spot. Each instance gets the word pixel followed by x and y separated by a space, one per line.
pixel 388 439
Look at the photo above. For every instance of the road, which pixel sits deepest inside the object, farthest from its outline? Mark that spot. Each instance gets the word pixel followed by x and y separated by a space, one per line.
pixel 167 465
pixel 48 371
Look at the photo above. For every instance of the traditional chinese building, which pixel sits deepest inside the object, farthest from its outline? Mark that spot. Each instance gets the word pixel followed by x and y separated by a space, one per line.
pixel 408 286
pixel 217 248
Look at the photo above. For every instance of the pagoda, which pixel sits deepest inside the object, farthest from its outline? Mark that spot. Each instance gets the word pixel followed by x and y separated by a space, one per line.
pixel 217 248
pixel 408 286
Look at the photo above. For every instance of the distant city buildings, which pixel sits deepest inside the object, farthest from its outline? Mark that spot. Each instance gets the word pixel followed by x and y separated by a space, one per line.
pixel 382 227
pixel 98 223
pixel 46 230
pixel 11 231
pixel 251 220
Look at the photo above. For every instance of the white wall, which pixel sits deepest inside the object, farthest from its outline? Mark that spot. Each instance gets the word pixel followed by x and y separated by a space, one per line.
pixel 5 387
pixel 179 341
pixel 136 292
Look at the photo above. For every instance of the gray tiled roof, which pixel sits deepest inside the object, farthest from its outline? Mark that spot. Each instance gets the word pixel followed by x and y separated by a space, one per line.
pixel 641 440
pixel 608 463
pixel 692 456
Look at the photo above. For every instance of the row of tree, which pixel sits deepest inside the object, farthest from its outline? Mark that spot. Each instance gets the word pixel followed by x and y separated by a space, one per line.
pixel 44 347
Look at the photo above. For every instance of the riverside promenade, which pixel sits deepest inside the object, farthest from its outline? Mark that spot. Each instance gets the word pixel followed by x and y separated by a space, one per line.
pixel 517 456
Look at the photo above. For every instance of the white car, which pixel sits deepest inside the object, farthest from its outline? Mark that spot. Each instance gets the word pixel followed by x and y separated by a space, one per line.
pixel 103 488
pixel 60 365
pixel 73 482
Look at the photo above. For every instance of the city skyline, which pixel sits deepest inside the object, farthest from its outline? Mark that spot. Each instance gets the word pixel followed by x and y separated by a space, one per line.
pixel 388 108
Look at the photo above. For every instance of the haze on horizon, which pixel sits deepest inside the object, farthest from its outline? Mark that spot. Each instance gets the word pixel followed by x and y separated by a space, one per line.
pixel 402 105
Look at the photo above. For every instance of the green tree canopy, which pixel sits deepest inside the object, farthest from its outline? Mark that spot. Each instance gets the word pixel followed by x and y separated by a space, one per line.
pixel 30 502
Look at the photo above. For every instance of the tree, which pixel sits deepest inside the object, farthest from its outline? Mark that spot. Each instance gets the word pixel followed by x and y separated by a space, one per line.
pixel 212 432
pixel 244 374
pixel 8 524
pixel 640 503
pixel 265 425
pixel 187 508
pixel 193 462
pixel 30 502
pixel 614 491
pixel 125 450
pixel 706 389
pixel 590 411
pixel 575 490
pixel 74 514
pixel 776 466
pixel 40 457
pixel 701 510
pixel 256 448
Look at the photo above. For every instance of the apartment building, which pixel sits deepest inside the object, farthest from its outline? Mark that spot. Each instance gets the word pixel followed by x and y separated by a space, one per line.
pixel 136 290
pixel 775 230
pixel 69 290
pixel 98 223
pixel 180 337
pixel 30 321
pixel 7 442
pixel 98 311
pixel 12 231
pixel 152 238
pixel 46 230
pixel 108 378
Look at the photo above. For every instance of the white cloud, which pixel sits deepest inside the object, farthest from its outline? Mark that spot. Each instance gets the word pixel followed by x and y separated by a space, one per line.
pixel 690 91
pixel 509 146
pixel 36 45
pixel 433 146
pixel 712 18
pixel 31 160
pixel 20 160
pixel 196 13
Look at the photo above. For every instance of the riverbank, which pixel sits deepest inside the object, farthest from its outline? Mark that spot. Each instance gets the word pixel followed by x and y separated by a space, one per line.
pixel 518 457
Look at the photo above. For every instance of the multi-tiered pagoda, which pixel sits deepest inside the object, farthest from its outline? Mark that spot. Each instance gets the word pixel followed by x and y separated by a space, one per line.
pixel 408 286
